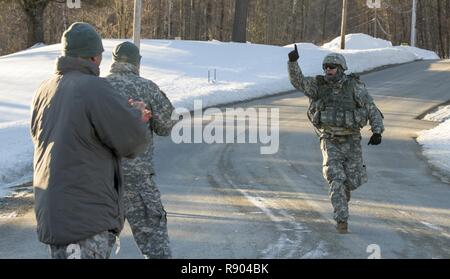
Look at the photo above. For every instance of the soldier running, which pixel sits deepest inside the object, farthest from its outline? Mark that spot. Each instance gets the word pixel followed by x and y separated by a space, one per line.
pixel 340 107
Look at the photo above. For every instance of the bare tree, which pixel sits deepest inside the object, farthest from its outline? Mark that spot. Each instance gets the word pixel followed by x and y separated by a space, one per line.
pixel 34 10
pixel 324 20
pixel 124 15
pixel 222 20
pixel 240 21
pixel 277 22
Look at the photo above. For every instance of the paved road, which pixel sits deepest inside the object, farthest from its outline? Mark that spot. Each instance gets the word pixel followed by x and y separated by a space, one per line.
pixel 228 201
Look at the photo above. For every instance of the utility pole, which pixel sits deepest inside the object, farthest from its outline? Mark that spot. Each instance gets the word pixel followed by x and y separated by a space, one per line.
pixel 343 23
pixel 375 4
pixel 137 23
pixel 413 23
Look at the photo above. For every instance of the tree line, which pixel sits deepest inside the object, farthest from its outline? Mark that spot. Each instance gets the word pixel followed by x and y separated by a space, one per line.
pixel 24 23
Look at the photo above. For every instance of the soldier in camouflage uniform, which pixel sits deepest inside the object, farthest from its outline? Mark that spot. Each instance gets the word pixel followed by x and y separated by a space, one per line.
pixel 143 207
pixel 340 107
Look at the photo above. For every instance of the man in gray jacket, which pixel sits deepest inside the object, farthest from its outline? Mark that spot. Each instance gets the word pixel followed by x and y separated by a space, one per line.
pixel 81 129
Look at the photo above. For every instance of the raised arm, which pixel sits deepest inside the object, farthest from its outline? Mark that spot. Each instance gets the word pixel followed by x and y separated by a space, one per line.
pixel 308 85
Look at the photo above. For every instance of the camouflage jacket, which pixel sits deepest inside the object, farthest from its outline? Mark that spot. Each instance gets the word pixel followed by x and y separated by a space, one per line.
pixel 125 79
pixel 310 87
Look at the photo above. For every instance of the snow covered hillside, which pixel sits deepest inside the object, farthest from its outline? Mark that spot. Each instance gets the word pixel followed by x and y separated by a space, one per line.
pixel 180 68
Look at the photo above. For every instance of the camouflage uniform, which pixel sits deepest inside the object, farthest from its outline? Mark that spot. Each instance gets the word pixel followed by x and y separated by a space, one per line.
pixel 340 143
pixel 97 247
pixel 143 207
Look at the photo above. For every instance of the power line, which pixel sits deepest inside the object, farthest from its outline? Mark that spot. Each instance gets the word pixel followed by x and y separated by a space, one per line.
pixel 367 22
pixel 382 29
pixel 387 6
pixel 365 13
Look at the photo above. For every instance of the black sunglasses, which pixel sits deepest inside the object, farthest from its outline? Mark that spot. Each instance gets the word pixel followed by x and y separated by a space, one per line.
pixel 331 66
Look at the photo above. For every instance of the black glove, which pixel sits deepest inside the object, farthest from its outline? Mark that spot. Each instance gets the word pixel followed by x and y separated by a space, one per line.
pixel 293 55
pixel 375 139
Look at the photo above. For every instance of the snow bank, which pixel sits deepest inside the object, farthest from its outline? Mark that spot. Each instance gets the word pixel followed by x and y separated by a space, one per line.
pixel 369 59
pixel 180 68
pixel 422 54
pixel 16 152
pixel 441 115
pixel 436 145
pixel 358 41
pixel 362 53
pixel 436 142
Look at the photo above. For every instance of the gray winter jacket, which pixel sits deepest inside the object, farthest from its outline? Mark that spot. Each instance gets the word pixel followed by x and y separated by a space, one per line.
pixel 80 129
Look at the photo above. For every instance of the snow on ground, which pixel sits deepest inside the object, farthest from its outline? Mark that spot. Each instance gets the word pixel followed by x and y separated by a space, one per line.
pixel 442 114
pixel 16 153
pixel 436 142
pixel 180 68
pixel 420 53
pixel 358 41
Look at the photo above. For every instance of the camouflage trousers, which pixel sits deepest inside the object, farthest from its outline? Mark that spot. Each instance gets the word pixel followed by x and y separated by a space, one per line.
pixel 97 247
pixel 146 216
pixel 344 170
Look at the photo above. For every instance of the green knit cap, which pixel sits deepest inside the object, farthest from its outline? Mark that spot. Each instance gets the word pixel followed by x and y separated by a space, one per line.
pixel 81 40
pixel 127 52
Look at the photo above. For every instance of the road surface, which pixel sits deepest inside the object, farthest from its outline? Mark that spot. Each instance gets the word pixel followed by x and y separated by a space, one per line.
pixel 228 201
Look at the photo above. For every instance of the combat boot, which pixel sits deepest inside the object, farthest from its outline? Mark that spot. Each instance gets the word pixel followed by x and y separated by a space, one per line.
pixel 342 227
